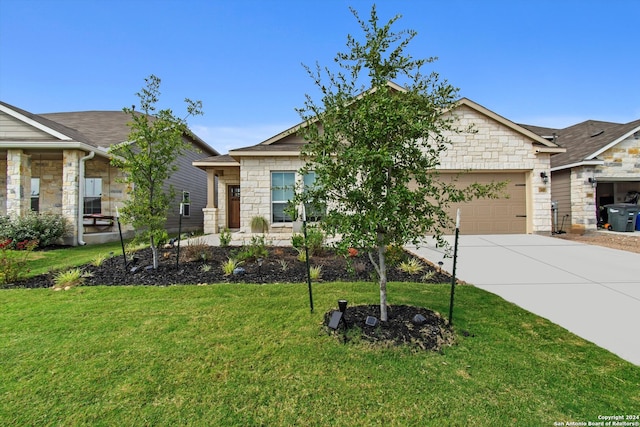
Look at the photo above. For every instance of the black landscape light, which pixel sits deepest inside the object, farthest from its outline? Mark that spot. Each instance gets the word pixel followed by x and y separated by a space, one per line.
pixel 342 305
pixel 371 321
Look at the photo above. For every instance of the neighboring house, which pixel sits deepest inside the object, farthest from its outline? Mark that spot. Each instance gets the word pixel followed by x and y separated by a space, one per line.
pixel 248 182
pixel 59 163
pixel 601 166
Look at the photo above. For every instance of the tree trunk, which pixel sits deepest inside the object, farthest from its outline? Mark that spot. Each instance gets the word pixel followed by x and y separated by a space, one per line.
pixel 383 282
pixel 154 251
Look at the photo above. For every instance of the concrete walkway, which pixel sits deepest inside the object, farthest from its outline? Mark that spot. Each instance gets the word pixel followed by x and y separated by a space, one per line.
pixel 590 290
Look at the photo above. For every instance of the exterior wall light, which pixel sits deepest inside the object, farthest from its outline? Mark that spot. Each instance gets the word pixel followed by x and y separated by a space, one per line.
pixel 545 177
pixel 593 181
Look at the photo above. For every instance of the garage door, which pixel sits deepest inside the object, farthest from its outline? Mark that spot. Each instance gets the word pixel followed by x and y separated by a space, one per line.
pixel 499 216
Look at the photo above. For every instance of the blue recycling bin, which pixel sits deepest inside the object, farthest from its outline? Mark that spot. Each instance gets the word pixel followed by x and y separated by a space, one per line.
pixel 637 222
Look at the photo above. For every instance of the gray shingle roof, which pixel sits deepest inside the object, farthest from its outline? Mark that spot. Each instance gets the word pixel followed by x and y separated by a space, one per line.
pixel 584 139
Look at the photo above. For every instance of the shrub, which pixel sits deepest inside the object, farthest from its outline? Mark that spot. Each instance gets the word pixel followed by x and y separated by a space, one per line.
pixel 225 238
pixel 257 249
pixel 315 240
pixel 259 224
pixel 229 266
pixel 395 255
pixel 297 241
pixel 196 250
pixel 45 228
pixel 99 259
pixel 412 266
pixel 315 272
pixel 67 279
pixel 13 263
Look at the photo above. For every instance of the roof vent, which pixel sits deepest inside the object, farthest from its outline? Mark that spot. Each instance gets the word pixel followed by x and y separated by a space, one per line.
pixel 598 132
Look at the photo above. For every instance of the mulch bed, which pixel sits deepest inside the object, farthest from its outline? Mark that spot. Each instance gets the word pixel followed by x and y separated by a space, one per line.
pixel 204 266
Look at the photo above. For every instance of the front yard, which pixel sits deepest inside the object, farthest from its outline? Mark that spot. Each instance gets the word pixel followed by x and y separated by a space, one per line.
pixel 244 354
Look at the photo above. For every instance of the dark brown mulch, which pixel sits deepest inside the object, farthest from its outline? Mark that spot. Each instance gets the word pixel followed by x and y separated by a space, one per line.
pixel 430 332
pixel 280 266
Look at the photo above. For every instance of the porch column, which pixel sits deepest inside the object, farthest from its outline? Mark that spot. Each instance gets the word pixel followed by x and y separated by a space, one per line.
pixel 18 183
pixel 70 189
pixel 211 210
pixel 583 201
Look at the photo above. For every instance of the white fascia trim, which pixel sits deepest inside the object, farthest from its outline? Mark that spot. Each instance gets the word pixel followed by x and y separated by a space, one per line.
pixel 575 165
pixel 614 143
pixel 56 145
pixel 34 123
pixel 264 154
pixel 215 165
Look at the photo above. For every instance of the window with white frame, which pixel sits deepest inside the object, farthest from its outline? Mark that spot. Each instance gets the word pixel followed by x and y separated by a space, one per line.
pixel 92 196
pixel 35 194
pixel 282 192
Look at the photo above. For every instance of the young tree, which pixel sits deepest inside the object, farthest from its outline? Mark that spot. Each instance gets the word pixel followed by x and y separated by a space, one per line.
pixel 148 160
pixel 374 146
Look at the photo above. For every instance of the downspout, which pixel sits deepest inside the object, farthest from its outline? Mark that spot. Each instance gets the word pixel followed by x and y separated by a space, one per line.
pixel 80 197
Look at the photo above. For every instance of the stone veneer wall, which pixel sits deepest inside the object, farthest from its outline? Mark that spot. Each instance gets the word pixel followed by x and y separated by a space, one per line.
pixel 255 196
pixel 50 174
pixel 3 188
pixel 621 161
pixel 18 183
pixel 583 200
pixel 70 171
pixel 494 146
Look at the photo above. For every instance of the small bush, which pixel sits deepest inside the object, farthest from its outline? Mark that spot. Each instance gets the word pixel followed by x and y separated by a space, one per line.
pixel 315 272
pixel 45 228
pixel 13 263
pixel 68 279
pixel 259 224
pixel 225 238
pixel 256 249
pixel 230 265
pixel 412 266
pixel 314 241
pixel 99 260
pixel 284 265
pixel 395 255
pixel 196 250
pixel 297 241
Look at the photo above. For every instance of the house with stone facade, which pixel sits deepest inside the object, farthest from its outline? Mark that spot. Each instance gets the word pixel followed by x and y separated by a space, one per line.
pixel 249 182
pixel 60 163
pixel 601 166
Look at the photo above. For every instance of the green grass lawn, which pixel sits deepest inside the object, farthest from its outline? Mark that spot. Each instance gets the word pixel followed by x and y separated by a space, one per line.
pixel 42 262
pixel 240 355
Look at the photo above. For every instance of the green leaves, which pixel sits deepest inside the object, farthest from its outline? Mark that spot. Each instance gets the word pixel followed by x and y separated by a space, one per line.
pixel 148 159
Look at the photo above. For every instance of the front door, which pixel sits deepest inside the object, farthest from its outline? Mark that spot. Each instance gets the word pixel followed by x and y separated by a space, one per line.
pixel 234 206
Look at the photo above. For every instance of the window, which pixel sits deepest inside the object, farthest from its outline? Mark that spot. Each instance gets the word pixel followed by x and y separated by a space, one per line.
pixel 35 194
pixel 314 211
pixel 282 187
pixel 186 204
pixel 92 196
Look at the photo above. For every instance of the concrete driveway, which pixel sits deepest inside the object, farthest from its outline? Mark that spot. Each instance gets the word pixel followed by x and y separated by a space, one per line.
pixel 592 291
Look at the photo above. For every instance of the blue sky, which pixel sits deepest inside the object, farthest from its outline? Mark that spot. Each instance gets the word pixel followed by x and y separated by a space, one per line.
pixel 543 62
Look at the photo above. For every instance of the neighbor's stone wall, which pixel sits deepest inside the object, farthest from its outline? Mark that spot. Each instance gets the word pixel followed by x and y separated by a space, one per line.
pixel 255 196
pixel 3 187
pixel 18 183
pixel 70 190
pixel 50 174
pixel 621 161
pixel 494 146
pixel 583 200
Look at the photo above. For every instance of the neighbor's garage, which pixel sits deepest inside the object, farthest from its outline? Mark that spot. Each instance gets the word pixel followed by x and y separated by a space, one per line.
pixel 492 216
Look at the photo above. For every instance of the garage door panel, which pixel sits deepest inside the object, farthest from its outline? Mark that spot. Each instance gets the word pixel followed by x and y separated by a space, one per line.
pixel 492 216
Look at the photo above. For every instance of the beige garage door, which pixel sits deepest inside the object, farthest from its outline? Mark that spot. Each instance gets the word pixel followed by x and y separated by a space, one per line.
pixel 486 216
